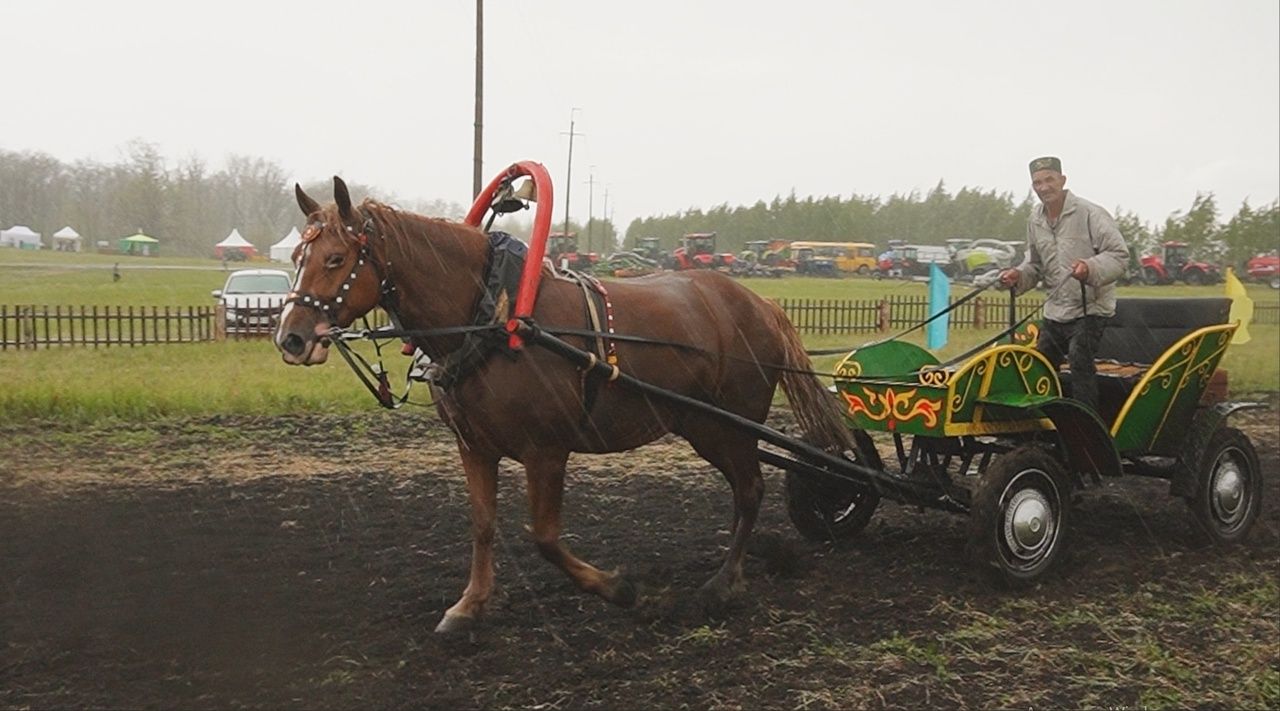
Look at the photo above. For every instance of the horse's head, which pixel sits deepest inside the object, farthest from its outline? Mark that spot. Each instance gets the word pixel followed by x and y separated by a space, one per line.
pixel 338 279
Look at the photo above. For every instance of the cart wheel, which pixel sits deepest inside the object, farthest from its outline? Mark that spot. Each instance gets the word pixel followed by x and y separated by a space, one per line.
pixel 1229 490
pixel 825 508
pixel 1018 523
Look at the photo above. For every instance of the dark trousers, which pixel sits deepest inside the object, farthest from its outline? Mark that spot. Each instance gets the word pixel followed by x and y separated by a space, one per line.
pixel 1076 342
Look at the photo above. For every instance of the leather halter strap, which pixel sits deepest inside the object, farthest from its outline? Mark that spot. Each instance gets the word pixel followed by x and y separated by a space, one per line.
pixel 329 307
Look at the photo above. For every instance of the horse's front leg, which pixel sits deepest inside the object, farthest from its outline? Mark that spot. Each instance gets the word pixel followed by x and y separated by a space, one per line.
pixel 482 491
pixel 545 475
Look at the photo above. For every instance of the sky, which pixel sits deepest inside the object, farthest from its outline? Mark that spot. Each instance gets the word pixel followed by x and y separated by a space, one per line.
pixel 679 103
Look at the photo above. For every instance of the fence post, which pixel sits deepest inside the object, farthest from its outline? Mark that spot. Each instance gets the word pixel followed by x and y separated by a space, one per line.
pixel 883 320
pixel 220 323
pixel 29 326
pixel 979 313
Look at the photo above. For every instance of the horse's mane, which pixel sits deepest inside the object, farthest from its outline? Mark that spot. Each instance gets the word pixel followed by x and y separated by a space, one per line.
pixel 408 226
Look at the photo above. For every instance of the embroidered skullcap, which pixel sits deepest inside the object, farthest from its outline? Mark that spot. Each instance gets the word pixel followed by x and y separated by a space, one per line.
pixel 1047 163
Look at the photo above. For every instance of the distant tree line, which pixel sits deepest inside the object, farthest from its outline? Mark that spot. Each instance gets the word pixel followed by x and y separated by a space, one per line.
pixel 189 207
pixel 940 215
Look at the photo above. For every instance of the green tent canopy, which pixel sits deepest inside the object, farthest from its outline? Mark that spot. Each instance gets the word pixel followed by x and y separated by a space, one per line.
pixel 139 244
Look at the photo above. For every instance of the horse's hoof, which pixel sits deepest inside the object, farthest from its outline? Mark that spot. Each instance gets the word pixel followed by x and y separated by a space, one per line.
pixel 623 593
pixel 454 624
pixel 717 598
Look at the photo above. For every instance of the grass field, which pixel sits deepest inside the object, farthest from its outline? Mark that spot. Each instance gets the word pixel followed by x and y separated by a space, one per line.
pixel 62 279
pixel 248 377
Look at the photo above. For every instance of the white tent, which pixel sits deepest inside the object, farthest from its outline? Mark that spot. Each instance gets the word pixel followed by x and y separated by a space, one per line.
pixel 234 243
pixel 20 236
pixel 66 240
pixel 282 251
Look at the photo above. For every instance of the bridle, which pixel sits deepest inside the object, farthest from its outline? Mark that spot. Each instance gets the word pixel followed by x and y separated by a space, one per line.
pixel 374 377
pixel 329 307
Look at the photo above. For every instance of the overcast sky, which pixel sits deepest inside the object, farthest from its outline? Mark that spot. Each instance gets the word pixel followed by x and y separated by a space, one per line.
pixel 682 103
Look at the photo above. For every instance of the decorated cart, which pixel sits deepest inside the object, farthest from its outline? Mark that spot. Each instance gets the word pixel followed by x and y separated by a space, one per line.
pixel 994 434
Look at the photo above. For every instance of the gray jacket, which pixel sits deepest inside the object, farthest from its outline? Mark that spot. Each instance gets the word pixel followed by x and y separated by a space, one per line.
pixel 1084 231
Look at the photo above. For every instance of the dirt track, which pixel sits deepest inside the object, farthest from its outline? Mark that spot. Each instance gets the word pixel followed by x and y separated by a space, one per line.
pixel 293 562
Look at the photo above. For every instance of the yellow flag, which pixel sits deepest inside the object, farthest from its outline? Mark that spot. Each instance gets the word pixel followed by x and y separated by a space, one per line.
pixel 1241 307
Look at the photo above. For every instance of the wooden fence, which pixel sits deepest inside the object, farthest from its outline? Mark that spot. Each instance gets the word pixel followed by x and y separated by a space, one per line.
pixel 821 316
pixel 105 326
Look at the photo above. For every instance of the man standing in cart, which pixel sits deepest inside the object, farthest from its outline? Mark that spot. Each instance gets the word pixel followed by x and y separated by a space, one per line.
pixel 1070 238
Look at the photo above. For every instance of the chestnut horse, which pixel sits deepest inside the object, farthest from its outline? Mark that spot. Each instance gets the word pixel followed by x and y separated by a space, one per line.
pixel 531 405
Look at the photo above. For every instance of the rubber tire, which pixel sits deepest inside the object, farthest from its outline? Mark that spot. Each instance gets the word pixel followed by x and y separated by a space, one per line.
pixel 1029 467
pixel 1275 282
pixel 863 271
pixel 1226 442
pixel 1195 277
pixel 829 509
pixel 1150 276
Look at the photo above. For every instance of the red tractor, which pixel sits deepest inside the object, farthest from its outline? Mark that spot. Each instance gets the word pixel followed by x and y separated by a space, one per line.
pixel 562 250
pixel 1177 265
pixel 1264 268
pixel 698 251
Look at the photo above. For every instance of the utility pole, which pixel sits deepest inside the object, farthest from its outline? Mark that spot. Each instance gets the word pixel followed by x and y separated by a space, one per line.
pixel 605 213
pixel 478 150
pixel 568 175
pixel 591 197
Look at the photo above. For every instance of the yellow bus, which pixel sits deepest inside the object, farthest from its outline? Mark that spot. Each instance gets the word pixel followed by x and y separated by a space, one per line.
pixel 849 257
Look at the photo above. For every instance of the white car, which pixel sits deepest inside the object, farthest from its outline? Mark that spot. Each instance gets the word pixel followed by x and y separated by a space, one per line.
pixel 253 299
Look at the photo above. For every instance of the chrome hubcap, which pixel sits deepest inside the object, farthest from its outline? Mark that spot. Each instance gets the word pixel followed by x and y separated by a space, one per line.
pixel 1030 525
pixel 1227 490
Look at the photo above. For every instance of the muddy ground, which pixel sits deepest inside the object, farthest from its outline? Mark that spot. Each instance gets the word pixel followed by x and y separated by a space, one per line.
pixel 303 562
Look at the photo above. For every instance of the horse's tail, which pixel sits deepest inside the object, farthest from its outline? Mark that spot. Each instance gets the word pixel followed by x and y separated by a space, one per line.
pixel 815 409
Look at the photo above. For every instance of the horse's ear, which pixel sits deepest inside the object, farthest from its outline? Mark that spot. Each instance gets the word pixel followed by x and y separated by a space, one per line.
pixel 308 206
pixel 342 198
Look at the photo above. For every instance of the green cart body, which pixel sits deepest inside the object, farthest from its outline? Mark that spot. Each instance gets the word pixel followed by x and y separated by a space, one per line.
pixel 996 434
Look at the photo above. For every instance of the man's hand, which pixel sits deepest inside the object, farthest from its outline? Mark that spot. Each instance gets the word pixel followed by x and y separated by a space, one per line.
pixel 1009 278
pixel 1080 270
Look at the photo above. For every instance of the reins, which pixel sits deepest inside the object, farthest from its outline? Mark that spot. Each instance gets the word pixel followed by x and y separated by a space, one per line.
pixel 954 305
pixel 374 375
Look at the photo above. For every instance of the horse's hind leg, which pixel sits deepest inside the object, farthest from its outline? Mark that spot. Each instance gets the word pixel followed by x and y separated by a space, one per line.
pixel 482 491
pixel 546 493
pixel 734 454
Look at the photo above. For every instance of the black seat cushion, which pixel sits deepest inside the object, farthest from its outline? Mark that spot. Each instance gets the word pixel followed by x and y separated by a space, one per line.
pixel 1143 329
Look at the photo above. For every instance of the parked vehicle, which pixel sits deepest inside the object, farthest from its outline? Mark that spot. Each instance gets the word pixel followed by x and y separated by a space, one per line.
pixel 847 257
pixel 811 263
pixel 698 251
pixel 955 245
pixel 1264 268
pixel 562 250
pixel 770 253
pixel 986 255
pixel 913 260
pixel 649 248
pixel 1176 264
pixel 252 299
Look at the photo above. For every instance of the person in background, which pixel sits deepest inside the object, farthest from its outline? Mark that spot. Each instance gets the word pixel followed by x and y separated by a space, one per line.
pixel 1070 240
pixel 115 272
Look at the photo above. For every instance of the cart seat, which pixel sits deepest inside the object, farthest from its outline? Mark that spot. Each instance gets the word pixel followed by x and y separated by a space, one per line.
pixel 1141 331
